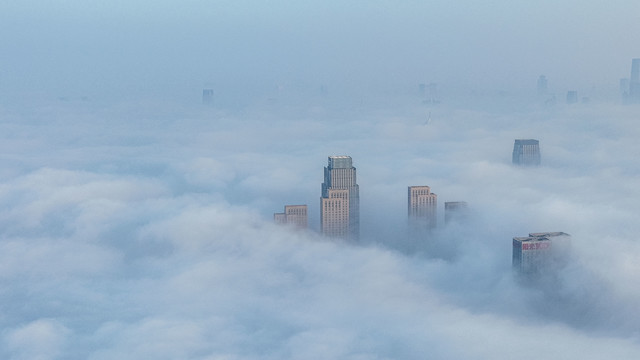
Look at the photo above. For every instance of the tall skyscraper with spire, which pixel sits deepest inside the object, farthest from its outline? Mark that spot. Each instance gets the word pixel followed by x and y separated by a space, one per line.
pixel 340 200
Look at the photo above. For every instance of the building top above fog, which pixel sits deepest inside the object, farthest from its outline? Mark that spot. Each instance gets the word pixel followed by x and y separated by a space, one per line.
pixel 527 142
pixel 340 162
pixel 549 234
pixel 530 238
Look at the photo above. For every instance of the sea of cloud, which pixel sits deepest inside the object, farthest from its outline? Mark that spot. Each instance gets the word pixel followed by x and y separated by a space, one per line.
pixel 144 231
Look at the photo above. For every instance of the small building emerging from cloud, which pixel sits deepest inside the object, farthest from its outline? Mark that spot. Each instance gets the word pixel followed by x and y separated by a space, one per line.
pixel 540 252
pixel 293 215
pixel 526 152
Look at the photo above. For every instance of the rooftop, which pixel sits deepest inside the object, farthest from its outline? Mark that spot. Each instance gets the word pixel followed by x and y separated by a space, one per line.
pixel 530 238
pixel 527 141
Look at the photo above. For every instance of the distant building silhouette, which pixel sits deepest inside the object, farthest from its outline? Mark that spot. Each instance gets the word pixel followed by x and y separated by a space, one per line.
pixel 207 96
pixel 540 252
pixel 340 200
pixel 526 152
pixel 634 82
pixel 432 96
pixel 455 210
pixel 572 97
pixel 542 86
pixel 624 90
pixel 422 207
pixel 292 215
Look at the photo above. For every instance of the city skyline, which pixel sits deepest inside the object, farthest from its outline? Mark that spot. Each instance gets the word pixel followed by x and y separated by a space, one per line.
pixel 181 207
pixel 149 148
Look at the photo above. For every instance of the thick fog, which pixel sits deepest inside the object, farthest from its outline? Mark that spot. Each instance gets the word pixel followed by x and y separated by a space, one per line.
pixel 137 222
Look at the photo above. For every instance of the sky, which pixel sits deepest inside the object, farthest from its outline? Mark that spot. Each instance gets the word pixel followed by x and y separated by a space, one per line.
pixel 137 223
pixel 246 48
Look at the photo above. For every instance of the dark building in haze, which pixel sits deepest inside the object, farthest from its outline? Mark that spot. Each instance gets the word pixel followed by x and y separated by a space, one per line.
pixel 634 82
pixel 207 96
pixel 526 152
pixel 572 97
pixel 455 211
pixel 542 86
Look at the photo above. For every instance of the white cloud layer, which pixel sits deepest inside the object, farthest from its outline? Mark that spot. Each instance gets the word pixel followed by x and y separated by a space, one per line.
pixel 150 235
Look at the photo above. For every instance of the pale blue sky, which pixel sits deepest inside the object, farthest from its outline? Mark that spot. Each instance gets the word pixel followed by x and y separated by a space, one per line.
pixel 118 46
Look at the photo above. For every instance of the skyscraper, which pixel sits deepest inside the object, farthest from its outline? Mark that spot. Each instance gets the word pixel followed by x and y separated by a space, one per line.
pixel 340 200
pixel 572 97
pixel 422 207
pixel 207 96
pixel 542 85
pixel 526 152
pixel 624 90
pixel 294 215
pixel 454 210
pixel 540 252
pixel 634 82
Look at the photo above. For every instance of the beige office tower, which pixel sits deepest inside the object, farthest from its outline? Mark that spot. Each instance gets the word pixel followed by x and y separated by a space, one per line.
pixel 340 201
pixel 293 215
pixel 422 206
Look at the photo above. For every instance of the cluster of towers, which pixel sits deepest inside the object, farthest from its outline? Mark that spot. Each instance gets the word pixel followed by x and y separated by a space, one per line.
pixel 340 212
pixel 340 198
pixel 340 204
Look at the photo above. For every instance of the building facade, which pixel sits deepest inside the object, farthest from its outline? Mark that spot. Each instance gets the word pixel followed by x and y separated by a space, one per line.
pixel 340 199
pixel 634 82
pixel 455 211
pixel 526 152
pixel 542 86
pixel 540 252
pixel 422 207
pixel 207 96
pixel 295 215
pixel 572 97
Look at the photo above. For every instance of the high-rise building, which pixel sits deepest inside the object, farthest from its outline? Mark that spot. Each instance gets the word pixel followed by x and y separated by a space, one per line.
pixel 624 90
pixel 540 252
pixel 207 96
pixel 454 210
pixel 340 200
pixel 572 97
pixel 432 96
pixel 422 90
pixel 293 215
pixel 526 152
pixel 634 82
pixel 422 207
pixel 542 85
